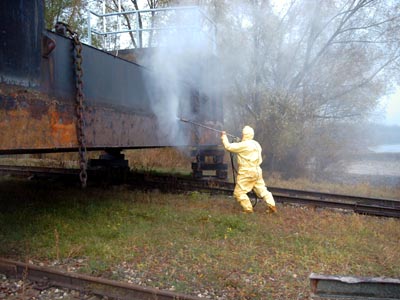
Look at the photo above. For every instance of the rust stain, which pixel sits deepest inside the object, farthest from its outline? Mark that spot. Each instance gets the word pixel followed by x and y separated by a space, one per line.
pixel 38 109
pixel 31 120
pixel 62 131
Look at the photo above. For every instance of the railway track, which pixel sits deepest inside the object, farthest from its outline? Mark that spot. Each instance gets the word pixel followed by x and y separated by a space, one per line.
pixel 173 183
pixel 45 277
pixel 363 205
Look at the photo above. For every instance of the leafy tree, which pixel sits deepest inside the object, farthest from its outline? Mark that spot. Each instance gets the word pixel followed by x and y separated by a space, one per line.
pixel 71 12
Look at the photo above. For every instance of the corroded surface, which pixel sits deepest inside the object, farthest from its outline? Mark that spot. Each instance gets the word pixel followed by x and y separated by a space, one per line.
pixel 31 121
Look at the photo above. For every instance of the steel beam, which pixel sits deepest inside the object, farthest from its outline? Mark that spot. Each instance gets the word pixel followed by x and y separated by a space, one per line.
pixel 350 287
pixel 33 122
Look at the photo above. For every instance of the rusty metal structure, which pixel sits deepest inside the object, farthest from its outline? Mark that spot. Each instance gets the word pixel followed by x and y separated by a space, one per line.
pixel 59 95
pixel 351 287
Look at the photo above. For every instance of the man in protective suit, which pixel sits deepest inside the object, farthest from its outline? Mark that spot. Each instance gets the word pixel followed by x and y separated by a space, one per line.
pixel 249 173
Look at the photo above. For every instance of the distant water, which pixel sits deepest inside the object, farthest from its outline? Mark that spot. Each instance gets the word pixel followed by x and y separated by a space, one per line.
pixel 394 148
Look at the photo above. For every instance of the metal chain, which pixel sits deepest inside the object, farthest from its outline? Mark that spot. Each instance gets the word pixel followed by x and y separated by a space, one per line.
pixel 65 28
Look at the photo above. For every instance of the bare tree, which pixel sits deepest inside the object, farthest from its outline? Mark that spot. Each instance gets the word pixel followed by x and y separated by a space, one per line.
pixel 328 61
pixel 343 51
pixel 130 21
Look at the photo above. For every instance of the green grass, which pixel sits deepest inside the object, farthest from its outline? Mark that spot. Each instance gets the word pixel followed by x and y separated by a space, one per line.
pixel 194 242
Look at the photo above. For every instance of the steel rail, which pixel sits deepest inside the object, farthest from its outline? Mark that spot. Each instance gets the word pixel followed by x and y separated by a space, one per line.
pixel 32 170
pixel 140 180
pixel 368 206
pixel 340 197
pixel 98 286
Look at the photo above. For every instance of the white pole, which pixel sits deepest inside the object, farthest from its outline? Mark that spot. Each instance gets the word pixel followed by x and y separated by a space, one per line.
pixel 89 28
pixel 119 24
pixel 139 42
pixel 104 25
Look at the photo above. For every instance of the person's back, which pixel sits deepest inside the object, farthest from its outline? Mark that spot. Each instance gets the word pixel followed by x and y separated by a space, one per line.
pixel 250 156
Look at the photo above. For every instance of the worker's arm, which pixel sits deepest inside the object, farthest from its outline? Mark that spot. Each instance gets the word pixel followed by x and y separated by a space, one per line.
pixel 232 147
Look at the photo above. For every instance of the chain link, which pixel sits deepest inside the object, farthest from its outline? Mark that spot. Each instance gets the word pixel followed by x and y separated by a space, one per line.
pixel 66 29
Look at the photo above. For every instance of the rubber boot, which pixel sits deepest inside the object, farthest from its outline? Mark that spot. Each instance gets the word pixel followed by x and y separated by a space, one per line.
pixel 269 200
pixel 246 205
pixel 271 209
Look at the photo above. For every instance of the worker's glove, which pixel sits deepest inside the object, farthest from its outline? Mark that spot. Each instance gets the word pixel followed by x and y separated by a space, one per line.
pixel 223 135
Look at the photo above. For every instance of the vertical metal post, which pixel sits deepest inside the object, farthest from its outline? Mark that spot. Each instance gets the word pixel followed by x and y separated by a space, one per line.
pixel 118 40
pixel 89 27
pixel 104 25
pixel 139 43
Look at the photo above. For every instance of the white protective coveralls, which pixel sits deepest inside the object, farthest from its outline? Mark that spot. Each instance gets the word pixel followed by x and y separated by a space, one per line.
pixel 249 172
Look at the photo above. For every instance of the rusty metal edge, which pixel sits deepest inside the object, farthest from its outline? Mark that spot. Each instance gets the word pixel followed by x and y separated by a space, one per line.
pixel 353 287
pixel 94 285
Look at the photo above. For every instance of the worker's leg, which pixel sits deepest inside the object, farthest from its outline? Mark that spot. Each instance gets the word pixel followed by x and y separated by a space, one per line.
pixel 261 190
pixel 243 186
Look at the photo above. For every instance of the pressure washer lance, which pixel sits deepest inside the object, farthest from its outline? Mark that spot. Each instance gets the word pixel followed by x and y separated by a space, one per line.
pixel 235 138
pixel 209 128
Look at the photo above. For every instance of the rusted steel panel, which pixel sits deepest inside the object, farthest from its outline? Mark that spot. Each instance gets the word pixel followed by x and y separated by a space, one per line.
pixel 350 287
pixel 107 127
pixel 31 121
